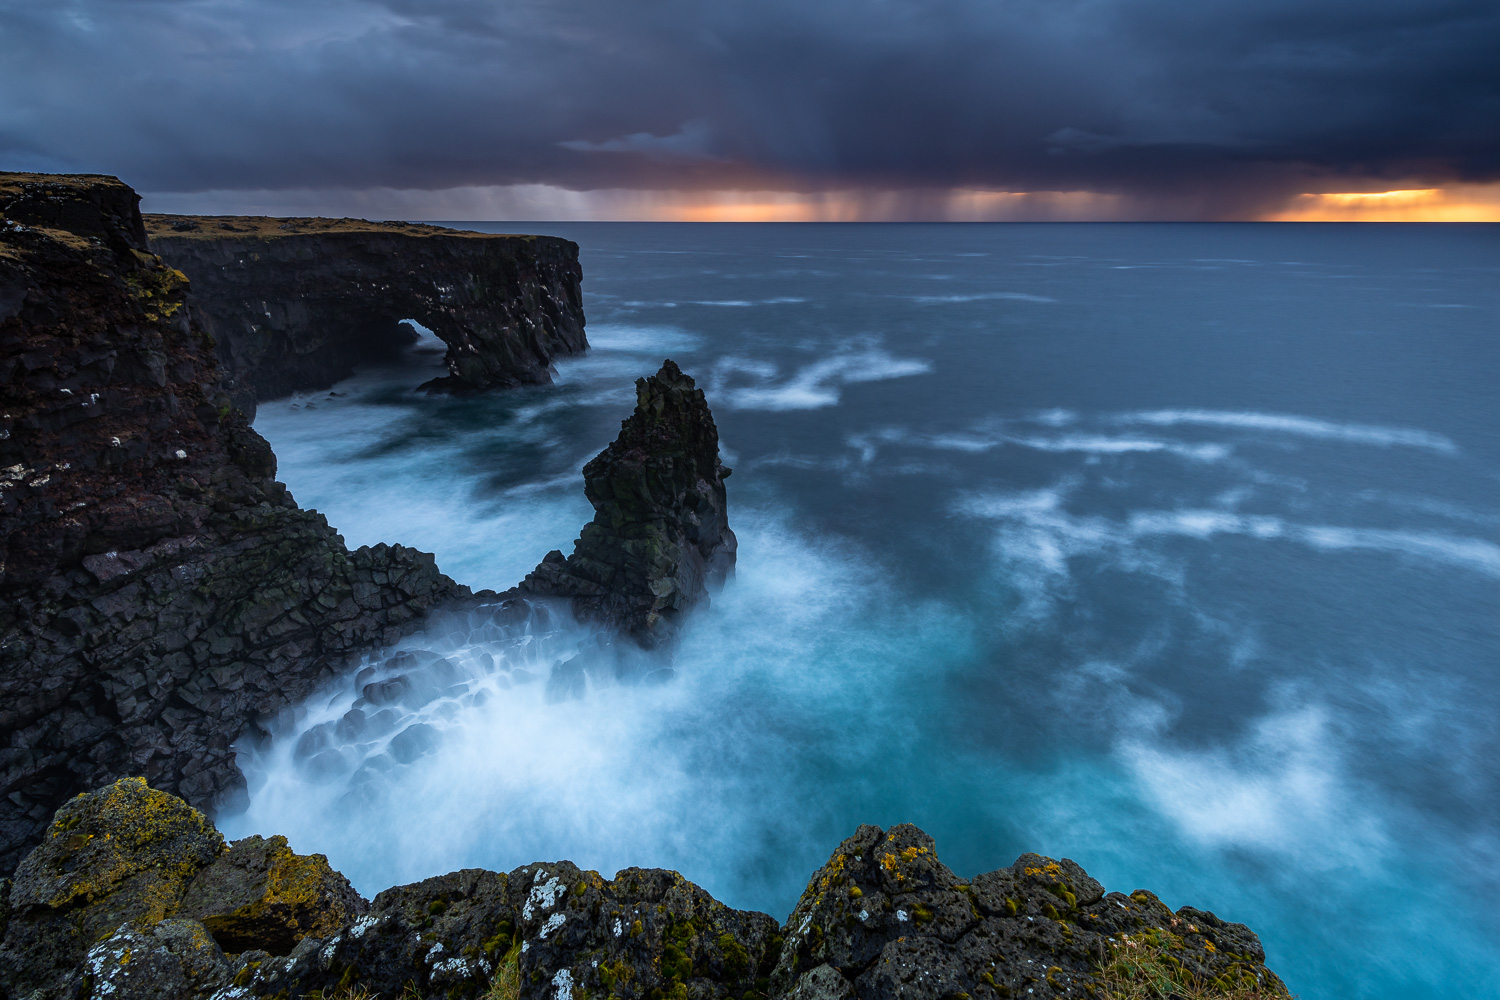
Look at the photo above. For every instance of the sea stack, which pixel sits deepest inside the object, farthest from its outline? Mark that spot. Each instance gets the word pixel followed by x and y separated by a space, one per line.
pixel 660 540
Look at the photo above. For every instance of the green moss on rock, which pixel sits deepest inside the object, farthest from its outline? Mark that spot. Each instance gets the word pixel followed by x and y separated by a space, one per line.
pixel 261 895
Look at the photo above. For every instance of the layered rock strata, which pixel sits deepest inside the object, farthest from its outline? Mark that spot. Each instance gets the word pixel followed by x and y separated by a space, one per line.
pixel 159 590
pixel 660 539
pixel 110 904
pixel 297 303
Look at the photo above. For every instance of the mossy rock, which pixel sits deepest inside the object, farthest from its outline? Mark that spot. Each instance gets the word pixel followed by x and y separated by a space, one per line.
pixel 261 895
pixel 175 958
pixel 123 854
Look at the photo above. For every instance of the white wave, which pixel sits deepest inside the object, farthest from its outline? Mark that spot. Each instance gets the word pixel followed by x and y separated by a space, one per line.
pixel 747 303
pixel 1038 530
pixel 1055 417
pixel 975 443
pixel 498 752
pixel 641 339
pixel 820 384
pixel 1283 791
pixel 1301 426
pixel 979 297
pixel 1101 445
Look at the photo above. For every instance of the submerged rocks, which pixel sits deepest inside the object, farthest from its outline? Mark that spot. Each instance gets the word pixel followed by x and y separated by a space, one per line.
pixel 660 539
pixel 882 919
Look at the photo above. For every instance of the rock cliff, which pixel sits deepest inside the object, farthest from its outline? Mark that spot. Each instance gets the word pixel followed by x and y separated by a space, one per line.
pixel 159 590
pixel 660 539
pixel 161 595
pixel 297 303
pixel 127 896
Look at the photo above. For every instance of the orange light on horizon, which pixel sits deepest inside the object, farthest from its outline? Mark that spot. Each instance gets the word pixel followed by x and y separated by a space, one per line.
pixel 541 202
pixel 1461 203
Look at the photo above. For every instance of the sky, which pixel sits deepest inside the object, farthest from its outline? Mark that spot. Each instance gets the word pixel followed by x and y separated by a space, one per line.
pixel 766 109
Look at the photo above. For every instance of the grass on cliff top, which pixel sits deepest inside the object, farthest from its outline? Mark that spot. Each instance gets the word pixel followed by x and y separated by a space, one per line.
pixel 218 227
pixel 1146 974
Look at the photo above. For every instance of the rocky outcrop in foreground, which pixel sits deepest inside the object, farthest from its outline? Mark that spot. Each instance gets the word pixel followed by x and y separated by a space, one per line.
pixel 160 592
pixel 133 894
pixel 660 539
pixel 297 303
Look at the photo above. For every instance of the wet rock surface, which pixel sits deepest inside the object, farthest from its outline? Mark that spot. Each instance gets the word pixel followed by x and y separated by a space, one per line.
pixel 159 591
pixel 660 540
pixel 297 303
pixel 883 918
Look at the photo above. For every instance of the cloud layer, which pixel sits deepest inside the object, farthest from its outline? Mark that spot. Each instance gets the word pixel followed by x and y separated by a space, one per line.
pixel 1209 109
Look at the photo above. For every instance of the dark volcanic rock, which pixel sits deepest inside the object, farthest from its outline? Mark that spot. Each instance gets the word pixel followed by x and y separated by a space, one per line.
pixel 645 933
pixel 882 919
pixel 660 539
pixel 117 857
pixel 259 895
pixel 296 303
pixel 159 591
pixel 174 958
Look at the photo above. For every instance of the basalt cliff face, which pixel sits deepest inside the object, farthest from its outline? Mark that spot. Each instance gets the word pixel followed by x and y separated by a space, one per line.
pixel 161 595
pixel 159 590
pixel 660 539
pixel 133 894
pixel 297 303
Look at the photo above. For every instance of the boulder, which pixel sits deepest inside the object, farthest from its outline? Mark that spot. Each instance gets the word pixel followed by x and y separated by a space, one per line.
pixel 259 895
pixel 173 958
pixel 122 855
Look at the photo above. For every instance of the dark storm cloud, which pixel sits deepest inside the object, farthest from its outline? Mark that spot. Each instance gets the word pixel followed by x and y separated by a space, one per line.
pixel 1229 102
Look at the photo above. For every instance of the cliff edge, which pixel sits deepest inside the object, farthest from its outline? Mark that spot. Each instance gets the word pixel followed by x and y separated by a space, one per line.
pixel 133 894
pixel 159 590
pixel 295 304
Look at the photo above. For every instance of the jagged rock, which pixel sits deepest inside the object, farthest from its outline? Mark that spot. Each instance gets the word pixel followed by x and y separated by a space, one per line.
pixel 174 958
pixel 159 591
pixel 890 920
pixel 297 303
pixel 660 540
pixel 646 933
pixel 122 855
pixel 259 895
pixel 883 918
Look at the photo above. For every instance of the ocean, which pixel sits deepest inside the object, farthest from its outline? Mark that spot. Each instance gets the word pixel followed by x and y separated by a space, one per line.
pixel 1172 549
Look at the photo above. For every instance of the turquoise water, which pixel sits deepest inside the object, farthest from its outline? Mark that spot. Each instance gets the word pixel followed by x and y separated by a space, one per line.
pixel 1171 549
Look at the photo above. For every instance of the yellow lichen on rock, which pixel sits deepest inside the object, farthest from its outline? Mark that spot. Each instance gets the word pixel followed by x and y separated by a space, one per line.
pixel 262 894
pixel 126 837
